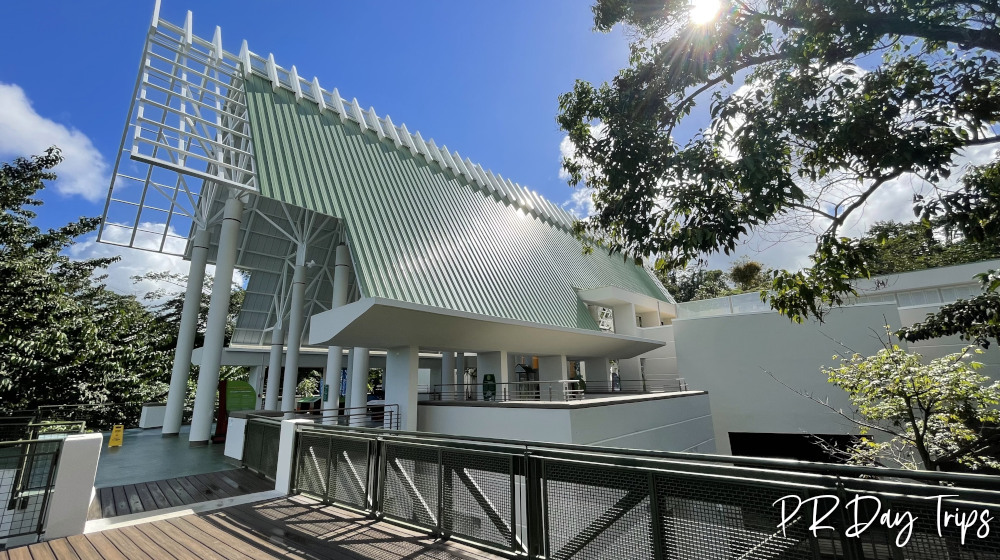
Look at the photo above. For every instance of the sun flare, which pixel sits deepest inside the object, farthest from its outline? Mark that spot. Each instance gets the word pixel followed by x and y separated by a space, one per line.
pixel 704 11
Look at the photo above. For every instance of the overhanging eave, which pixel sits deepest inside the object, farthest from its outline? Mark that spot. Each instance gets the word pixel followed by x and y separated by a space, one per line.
pixel 384 323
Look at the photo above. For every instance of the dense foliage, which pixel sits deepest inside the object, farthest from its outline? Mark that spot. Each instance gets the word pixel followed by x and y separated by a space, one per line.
pixel 64 337
pixel 813 109
pixel 917 246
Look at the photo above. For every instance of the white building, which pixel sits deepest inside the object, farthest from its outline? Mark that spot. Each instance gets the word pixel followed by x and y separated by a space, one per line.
pixel 359 235
pixel 367 244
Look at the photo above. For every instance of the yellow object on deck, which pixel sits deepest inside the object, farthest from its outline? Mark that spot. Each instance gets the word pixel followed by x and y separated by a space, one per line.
pixel 117 435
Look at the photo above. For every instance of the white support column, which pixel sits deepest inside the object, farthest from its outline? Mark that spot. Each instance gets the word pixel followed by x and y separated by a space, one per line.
pixel 598 372
pixel 492 363
pixel 447 375
pixel 551 368
pixel 215 326
pixel 460 375
pixel 629 369
pixel 334 363
pixel 296 321
pixel 274 368
pixel 334 358
pixel 624 317
pixel 185 337
pixel 257 382
pixel 358 376
pixel 401 383
pixel 650 319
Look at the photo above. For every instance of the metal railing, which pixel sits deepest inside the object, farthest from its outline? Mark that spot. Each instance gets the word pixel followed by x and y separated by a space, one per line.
pixel 19 428
pixel 565 501
pixel 563 390
pixel 27 473
pixel 385 416
pixel 551 391
pixel 260 446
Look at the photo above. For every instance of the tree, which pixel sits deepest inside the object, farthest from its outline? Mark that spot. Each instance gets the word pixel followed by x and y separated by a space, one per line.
pixel 816 108
pixel 929 416
pixel 64 337
pixel 913 246
pixel 169 304
pixel 697 283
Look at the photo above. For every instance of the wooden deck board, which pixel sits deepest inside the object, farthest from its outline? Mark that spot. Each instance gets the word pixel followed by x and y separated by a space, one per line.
pixel 61 548
pixel 83 547
pixel 296 528
pixel 186 490
pixel 106 550
pixel 227 548
pixel 134 502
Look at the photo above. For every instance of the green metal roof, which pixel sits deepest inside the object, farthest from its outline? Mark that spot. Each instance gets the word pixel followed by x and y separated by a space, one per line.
pixel 420 232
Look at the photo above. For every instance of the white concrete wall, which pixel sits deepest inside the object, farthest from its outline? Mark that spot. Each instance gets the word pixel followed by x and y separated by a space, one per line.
pixel 943 346
pixel 518 424
pixel 682 423
pixel 677 424
pixel 73 487
pixel 727 356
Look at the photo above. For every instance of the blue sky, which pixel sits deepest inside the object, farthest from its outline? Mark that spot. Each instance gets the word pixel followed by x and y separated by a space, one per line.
pixel 482 77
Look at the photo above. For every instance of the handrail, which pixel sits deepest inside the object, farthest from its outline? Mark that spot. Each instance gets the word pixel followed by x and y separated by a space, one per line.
pixel 846 471
pixel 430 481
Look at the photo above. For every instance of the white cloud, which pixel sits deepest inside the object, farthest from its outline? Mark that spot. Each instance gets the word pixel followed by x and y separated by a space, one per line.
pixel 24 132
pixel 134 262
pixel 581 204
pixel 137 262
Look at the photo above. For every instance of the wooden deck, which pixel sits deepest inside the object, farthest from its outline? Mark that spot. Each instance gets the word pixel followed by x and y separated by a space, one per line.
pixel 295 528
pixel 186 490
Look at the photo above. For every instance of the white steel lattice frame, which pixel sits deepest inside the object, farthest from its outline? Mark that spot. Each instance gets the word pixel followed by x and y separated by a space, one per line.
pixel 189 137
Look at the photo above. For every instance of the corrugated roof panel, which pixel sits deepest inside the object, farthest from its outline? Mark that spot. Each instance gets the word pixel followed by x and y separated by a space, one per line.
pixel 419 232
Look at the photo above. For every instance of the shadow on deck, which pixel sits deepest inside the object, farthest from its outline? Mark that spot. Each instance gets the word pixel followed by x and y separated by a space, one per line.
pixel 297 527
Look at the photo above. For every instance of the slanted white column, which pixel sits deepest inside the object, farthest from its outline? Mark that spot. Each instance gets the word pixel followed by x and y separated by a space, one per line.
pixel 629 369
pixel 334 356
pixel 186 335
pixel 401 383
pixel 215 326
pixel 296 321
pixel 274 368
pixel 492 363
pixel 358 376
pixel 447 375
pixel 460 375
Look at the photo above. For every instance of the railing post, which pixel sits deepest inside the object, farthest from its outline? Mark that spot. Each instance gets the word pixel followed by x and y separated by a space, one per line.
pixel 534 509
pixel 440 484
pixel 656 527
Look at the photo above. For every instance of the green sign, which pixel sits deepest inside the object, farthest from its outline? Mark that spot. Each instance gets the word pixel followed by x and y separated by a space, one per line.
pixel 240 395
